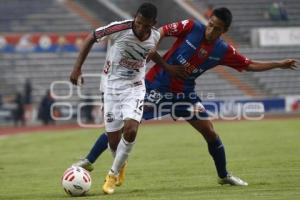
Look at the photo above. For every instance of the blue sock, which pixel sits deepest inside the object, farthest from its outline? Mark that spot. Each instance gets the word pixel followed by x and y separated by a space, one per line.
pixel 99 147
pixel 217 151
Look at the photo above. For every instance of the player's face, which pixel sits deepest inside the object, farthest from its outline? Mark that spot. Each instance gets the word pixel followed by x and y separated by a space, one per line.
pixel 214 29
pixel 142 26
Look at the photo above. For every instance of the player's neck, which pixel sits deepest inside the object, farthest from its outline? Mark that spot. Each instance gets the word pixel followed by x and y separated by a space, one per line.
pixel 143 38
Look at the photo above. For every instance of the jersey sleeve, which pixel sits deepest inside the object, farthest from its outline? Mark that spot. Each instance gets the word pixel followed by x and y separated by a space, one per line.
pixel 112 30
pixel 235 60
pixel 178 29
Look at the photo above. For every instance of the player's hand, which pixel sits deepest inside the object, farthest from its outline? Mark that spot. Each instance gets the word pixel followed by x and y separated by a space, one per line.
pixel 74 77
pixel 288 64
pixel 177 71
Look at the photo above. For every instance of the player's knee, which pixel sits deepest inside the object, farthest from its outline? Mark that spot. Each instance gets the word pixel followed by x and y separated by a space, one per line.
pixel 130 130
pixel 130 133
pixel 210 134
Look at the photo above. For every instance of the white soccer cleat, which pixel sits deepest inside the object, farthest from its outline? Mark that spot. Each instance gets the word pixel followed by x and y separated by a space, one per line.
pixel 232 180
pixel 85 164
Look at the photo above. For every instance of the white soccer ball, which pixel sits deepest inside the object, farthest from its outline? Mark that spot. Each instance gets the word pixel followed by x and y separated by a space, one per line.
pixel 76 181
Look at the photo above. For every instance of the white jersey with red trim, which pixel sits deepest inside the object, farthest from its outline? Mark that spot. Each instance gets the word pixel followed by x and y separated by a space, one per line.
pixel 125 63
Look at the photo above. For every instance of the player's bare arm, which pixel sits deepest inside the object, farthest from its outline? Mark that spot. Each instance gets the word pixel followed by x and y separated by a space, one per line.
pixel 86 47
pixel 257 66
pixel 177 71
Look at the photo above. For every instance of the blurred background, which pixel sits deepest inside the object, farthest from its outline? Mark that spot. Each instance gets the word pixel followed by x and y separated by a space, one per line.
pixel 39 42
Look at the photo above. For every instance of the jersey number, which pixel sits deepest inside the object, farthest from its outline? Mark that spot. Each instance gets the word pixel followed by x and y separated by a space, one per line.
pixel 139 104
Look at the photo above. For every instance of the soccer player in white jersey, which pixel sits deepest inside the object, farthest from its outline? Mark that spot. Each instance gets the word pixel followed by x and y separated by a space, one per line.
pixel 130 42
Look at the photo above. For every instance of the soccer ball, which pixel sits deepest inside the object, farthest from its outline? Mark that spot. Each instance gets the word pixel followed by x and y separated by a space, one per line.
pixel 76 181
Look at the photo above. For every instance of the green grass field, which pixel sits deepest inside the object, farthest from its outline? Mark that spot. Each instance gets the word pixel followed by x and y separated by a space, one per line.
pixel 169 161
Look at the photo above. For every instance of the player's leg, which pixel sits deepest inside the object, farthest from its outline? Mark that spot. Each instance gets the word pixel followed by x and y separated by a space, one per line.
pixel 115 177
pixel 215 146
pixel 99 147
pixel 113 122
pixel 125 145
pixel 114 135
pixel 132 112
pixel 151 103
pixel 114 139
pixel 217 151
pixel 199 119
pixel 105 141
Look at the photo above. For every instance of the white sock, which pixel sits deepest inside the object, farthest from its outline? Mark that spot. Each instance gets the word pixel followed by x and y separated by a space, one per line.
pixel 123 150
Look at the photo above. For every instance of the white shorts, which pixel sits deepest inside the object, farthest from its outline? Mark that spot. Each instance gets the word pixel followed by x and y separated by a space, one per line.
pixel 126 105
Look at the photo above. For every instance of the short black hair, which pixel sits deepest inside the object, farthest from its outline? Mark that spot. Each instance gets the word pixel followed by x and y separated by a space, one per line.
pixel 148 10
pixel 223 14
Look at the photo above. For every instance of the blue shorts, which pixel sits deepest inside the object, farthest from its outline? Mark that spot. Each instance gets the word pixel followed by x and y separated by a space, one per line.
pixel 178 105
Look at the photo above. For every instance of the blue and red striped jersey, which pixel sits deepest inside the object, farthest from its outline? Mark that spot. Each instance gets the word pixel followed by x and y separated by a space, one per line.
pixel 195 54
